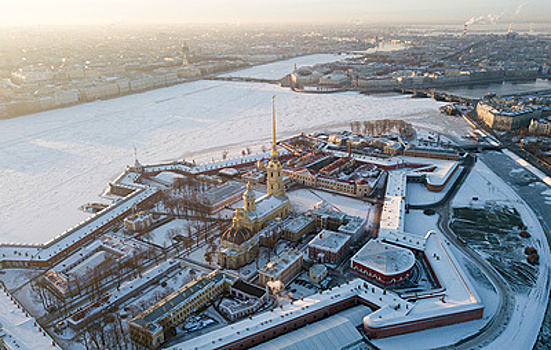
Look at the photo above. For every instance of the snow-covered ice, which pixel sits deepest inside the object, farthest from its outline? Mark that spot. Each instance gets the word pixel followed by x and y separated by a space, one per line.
pixel 21 332
pixel 55 161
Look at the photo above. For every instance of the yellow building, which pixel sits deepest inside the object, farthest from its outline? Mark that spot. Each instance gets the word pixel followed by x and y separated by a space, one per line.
pixel 149 327
pixel 239 244
pixel 138 221
pixel 287 265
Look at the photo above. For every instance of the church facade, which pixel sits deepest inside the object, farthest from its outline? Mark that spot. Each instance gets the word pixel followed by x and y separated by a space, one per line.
pixel 239 244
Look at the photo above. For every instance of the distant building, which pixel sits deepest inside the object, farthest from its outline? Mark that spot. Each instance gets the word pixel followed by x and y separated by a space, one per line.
pixel 506 117
pixel 433 153
pixel 328 247
pixel 304 76
pixel 540 127
pixel 334 79
pixel 283 269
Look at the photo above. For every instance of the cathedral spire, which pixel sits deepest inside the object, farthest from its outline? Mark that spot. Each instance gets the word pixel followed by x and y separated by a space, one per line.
pixel 274 179
pixel 273 122
pixel 274 153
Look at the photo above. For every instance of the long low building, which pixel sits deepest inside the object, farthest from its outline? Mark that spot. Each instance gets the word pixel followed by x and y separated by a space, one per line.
pixel 148 328
pixel 458 303
pixel 506 117
pixel 338 332
pixel 60 247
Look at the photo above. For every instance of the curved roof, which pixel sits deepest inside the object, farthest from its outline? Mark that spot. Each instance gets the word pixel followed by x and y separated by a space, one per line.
pixel 237 235
pixel 385 258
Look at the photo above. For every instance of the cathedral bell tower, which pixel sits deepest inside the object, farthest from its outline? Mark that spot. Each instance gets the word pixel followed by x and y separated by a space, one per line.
pixel 249 198
pixel 274 181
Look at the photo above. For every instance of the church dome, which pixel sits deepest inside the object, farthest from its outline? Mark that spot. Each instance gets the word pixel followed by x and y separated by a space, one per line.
pixel 237 235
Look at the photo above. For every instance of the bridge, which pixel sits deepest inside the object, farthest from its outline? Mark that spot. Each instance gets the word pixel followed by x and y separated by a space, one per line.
pixel 480 147
pixel 245 79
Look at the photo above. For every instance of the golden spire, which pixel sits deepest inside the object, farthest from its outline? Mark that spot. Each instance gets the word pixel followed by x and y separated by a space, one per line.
pixel 273 122
pixel 274 154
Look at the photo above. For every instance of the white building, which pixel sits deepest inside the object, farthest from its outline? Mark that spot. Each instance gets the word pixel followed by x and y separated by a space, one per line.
pixel 328 247
pixel 284 269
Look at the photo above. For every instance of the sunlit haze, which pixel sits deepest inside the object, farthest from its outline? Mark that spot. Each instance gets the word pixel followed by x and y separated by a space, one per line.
pixel 34 12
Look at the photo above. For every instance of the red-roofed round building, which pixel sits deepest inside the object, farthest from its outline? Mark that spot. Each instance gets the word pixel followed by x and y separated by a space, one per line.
pixel 383 263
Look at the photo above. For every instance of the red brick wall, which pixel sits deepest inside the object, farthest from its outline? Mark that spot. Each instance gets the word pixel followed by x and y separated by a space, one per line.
pixel 414 326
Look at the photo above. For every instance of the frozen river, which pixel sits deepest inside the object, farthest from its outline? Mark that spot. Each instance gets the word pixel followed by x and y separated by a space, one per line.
pixel 55 161
pixel 278 70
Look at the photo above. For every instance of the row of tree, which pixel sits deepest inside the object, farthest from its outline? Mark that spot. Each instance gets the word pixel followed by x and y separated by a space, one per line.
pixel 384 127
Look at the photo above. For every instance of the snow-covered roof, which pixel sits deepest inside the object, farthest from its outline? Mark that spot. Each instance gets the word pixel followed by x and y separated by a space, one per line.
pixel 289 312
pixel 385 258
pixel 172 303
pixel 318 269
pixel 266 205
pixel 459 295
pixel 223 192
pixel 283 261
pixel 335 332
pixel 298 223
pixel 393 214
pixel 167 177
pixel 329 241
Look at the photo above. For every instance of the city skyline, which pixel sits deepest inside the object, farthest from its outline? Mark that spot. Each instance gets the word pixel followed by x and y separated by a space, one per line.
pixel 64 12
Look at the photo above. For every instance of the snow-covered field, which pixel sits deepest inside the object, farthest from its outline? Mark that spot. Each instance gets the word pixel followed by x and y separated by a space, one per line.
pixel 55 161
pixel 305 199
pixel 523 328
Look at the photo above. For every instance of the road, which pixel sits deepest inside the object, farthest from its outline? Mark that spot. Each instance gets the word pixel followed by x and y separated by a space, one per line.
pixel 493 328
pixel 496 324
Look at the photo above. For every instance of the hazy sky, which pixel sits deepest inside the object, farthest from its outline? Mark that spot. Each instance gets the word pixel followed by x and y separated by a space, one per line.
pixel 29 12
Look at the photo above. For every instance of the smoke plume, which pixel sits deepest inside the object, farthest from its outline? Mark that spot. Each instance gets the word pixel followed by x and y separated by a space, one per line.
pixel 486 19
pixel 520 7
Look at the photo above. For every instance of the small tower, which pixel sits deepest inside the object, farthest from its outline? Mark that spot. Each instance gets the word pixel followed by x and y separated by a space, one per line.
pixel 185 52
pixel 274 181
pixel 138 167
pixel 249 198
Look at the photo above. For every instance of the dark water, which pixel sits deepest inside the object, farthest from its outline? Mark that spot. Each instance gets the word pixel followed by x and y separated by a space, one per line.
pixel 478 91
